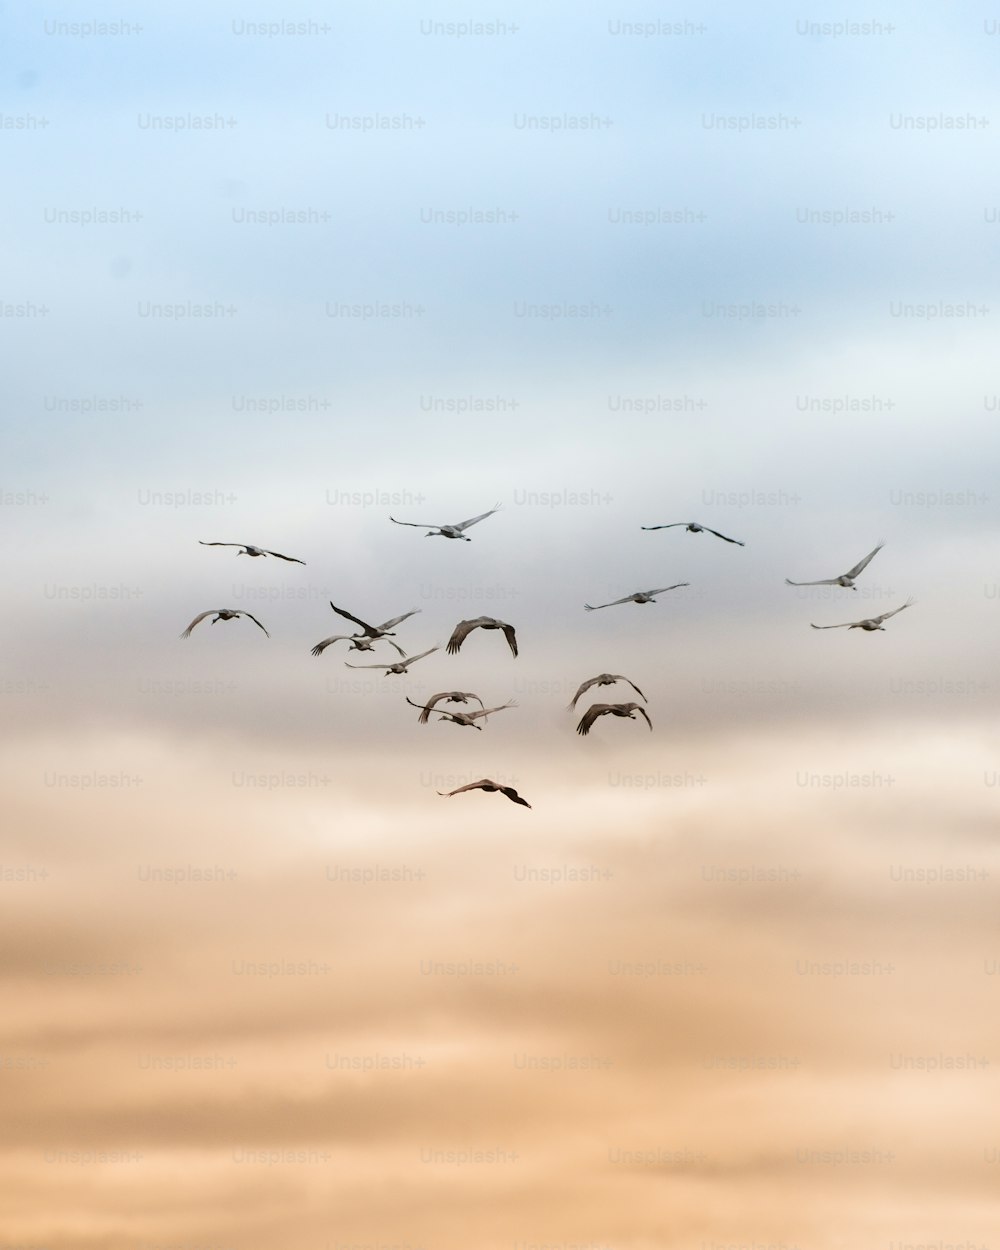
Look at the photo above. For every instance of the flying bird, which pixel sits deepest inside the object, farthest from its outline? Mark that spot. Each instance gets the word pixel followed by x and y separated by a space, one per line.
pixel 464 628
pixel 253 551
pixel 489 787
pixel 448 531
pixel 375 631
pixel 224 614
pixel 357 643
pixel 640 596
pixel 873 622
pixel 845 579
pixel 695 528
pixel 449 696
pixel 627 710
pixel 399 667
pixel 459 718
pixel 605 679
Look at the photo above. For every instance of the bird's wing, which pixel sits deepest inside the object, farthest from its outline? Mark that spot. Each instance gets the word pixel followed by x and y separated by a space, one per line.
pixel 844 625
pixel 643 712
pixel 662 589
pixel 205 544
pixel 201 615
pixel 431 702
pixel 452 695
pixel 255 621
pixel 861 563
pixel 383 667
pixel 723 537
pixel 290 559
pixel 827 581
pixel 413 658
pixel 592 607
pixel 320 647
pixel 393 644
pixel 462 525
pixel 672 525
pixel 473 785
pixel 491 710
pixel 508 633
pixel 425 709
pixel 590 715
pixel 586 686
pixel 370 630
pixel 619 677
pixel 396 620
pixel 460 633
pixel 885 615
pixel 513 795
pixel 416 524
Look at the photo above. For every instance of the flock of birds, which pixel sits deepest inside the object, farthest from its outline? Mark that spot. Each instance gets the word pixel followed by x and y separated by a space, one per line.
pixel 370 634
pixel 847 580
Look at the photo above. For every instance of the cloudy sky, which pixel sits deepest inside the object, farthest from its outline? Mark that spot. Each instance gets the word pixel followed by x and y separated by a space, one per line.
pixel 272 276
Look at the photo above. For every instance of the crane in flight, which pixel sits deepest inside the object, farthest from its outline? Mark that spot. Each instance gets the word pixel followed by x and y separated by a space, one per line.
pixel 223 614
pixel 640 596
pixel 448 531
pixel 464 628
pixel 845 579
pixel 872 623
pixel 627 710
pixel 490 787
pixel 694 528
pixel 459 718
pixel 357 643
pixel 375 631
pixel 449 696
pixel 399 667
pixel 249 550
pixel 604 679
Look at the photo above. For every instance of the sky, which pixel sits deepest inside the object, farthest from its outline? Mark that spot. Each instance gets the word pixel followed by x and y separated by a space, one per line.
pixel 277 276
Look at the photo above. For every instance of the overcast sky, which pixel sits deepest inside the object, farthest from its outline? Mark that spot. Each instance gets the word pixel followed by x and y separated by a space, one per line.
pixel 275 276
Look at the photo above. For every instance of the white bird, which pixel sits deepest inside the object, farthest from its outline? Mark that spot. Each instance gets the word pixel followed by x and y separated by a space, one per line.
pixel 873 622
pixel 845 579
pixel 490 787
pixel 627 710
pixel 375 631
pixel 357 643
pixel 640 596
pixel 399 667
pixel 224 614
pixel 449 696
pixel 253 551
pixel 605 679
pixel 464 628
pixel 459 718
pixel 448 531
pixel 695 528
